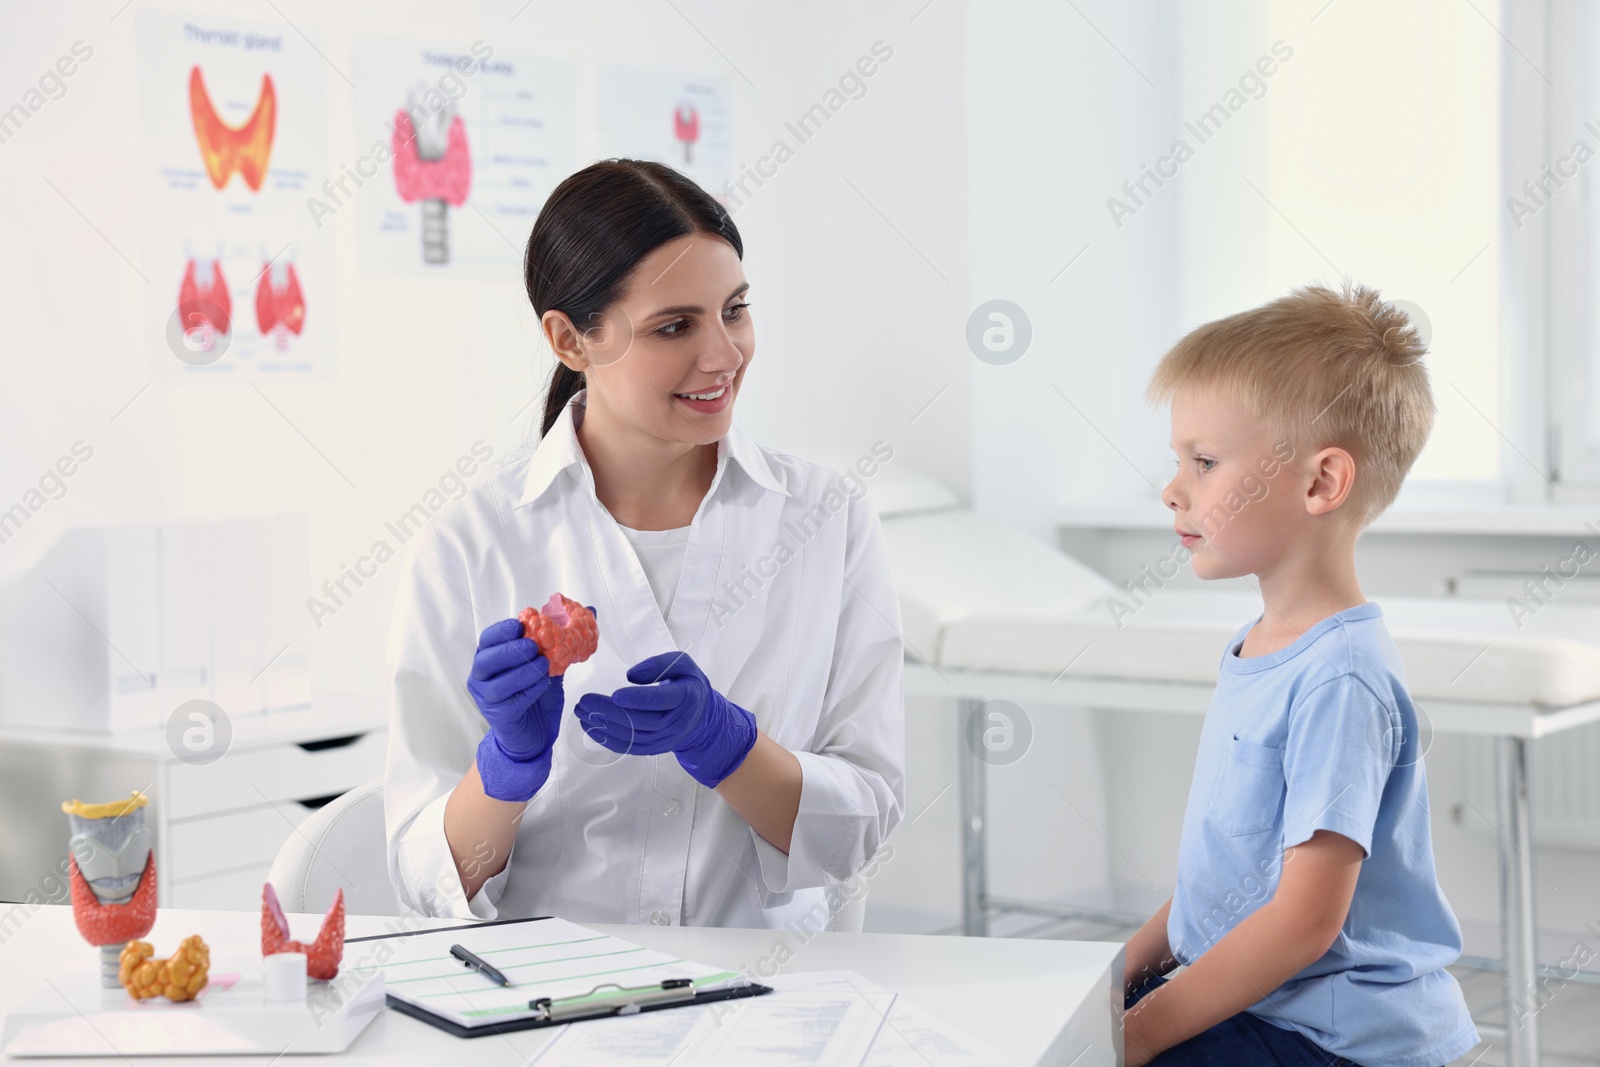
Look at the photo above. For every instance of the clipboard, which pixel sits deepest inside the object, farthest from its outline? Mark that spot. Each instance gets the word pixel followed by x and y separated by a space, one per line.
pixel 600 1000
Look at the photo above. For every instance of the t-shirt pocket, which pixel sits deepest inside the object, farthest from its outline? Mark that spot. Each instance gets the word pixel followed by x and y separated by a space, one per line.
pixel 1247 794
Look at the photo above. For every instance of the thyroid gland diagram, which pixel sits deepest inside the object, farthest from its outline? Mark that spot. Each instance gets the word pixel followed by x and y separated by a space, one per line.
pixel 204 307
pixel 433 165
pixel 686 128
pixel 225 148
pixel 280 306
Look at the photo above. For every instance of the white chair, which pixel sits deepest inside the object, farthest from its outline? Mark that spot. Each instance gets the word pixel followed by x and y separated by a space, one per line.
pixel 852 914
pixel 340 846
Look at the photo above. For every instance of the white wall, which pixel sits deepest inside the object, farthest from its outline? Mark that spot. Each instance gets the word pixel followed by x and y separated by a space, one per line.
pixel 1068 101
pixel 852 326
pixel 1058 117
pixel 856 250
pixel 977 166
pixel 1061 117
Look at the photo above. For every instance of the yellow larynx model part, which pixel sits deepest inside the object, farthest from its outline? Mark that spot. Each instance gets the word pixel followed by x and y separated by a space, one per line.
pixel 109 809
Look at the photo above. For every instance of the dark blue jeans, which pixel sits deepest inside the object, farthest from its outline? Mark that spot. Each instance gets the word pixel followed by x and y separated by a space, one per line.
pixel 1242 1041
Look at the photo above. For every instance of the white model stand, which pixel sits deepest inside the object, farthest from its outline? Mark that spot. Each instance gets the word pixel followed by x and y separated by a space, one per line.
pixel 71 1015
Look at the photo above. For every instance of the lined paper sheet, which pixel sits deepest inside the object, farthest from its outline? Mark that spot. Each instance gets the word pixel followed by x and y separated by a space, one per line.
pixel 550 958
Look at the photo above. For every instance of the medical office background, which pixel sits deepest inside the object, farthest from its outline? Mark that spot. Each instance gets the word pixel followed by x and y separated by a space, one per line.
pixel 894 169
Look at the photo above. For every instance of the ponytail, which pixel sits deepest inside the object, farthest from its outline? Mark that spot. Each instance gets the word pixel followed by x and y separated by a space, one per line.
pixel 564 385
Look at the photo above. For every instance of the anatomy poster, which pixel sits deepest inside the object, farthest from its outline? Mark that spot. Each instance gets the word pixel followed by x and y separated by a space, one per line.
pixel 234 136
pixel 455 150
pixel 677 119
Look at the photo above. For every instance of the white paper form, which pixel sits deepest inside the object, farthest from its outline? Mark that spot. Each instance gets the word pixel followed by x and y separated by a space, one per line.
pixel 910 1036
pixel 792 1027
pixel 830 1028
pixel 649 1039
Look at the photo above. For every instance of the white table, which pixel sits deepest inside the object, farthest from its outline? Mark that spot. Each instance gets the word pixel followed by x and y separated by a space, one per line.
pixel 1040 1002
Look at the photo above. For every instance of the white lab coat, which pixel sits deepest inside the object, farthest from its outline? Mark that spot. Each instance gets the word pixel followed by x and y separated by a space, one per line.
pixel 809 642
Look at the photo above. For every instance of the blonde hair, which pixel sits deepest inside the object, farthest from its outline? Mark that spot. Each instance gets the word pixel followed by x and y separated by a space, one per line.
pixel 1321 368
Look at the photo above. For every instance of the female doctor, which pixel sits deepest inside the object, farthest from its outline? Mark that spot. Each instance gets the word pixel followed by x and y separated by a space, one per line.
pixel 738 740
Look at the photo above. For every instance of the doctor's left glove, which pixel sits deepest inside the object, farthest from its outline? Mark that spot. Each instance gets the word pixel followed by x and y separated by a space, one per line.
pixel 672 708
pixel 513 688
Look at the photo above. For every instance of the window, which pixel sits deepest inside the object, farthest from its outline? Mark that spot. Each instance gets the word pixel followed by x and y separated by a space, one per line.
pixel 1373 153
pixel 1552 180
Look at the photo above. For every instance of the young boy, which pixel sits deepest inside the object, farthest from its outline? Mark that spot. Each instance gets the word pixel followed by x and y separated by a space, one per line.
pixel 1307 914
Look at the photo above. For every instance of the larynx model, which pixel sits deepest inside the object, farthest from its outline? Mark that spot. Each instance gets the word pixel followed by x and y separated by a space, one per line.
pixel 323 954
pixel 113 876
pixel 225 148
pixel 431 164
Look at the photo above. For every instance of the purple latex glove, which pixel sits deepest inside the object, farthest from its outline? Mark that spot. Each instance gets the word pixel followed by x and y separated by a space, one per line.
pixel 511 684
pixel 672 708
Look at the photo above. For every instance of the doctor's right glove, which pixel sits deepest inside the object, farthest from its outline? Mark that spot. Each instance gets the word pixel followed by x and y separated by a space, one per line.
pixel 672 708
pixel 512 685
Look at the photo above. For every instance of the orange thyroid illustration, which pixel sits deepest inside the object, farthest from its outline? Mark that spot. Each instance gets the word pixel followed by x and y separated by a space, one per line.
pixel 225 148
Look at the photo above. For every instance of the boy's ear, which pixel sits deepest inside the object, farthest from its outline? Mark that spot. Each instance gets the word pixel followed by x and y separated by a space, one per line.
pixel 1333 476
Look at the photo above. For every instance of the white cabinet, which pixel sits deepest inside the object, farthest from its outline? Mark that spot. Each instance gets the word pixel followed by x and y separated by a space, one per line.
pixel 116 626
pixel 218 824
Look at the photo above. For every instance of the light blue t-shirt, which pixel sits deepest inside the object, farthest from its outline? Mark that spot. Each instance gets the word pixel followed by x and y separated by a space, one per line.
pixel 1322 735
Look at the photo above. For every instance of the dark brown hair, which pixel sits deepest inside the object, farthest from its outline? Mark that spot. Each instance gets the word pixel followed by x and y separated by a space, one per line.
pixel 590 236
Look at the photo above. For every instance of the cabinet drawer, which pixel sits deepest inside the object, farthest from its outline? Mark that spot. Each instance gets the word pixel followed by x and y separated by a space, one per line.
pixel 249 777
pixel 231 891
pixel 237 839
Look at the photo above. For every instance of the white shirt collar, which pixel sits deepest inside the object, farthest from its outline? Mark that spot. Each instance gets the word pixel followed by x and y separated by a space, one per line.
pixel 560 449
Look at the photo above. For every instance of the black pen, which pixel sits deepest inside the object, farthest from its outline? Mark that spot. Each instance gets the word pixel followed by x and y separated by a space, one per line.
pixel 478 965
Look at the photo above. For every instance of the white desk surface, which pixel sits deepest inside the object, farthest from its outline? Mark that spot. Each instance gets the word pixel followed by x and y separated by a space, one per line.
pixel 1040 1002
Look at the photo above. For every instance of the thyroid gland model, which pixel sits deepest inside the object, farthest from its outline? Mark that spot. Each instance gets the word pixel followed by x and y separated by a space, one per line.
pixel 686 128
pixel 323 954
pixel 280 306
pixel 204 306
pixel 225 148
pixel 113 877
pixel 431 165
pixel 564 630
